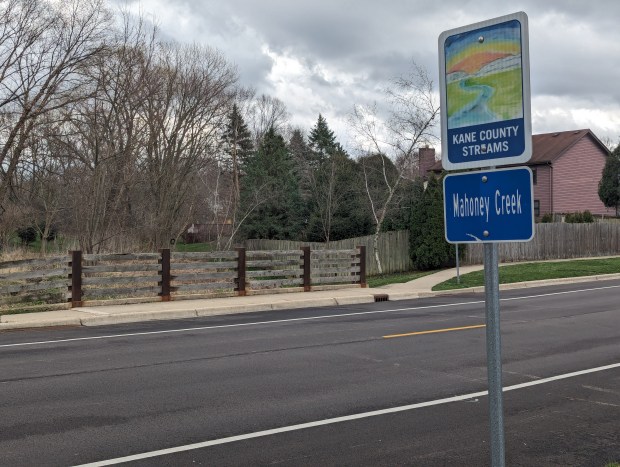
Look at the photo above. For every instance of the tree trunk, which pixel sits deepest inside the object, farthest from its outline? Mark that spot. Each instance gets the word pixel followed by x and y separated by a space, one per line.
pixel 375 248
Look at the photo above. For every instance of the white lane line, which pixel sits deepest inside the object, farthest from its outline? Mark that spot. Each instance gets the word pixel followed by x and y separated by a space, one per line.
pixel 551 294
pixel 258 323
pixel 347 418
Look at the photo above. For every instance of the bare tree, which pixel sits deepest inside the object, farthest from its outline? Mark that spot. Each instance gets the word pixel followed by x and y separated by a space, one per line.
pixel 103 136
pixel 397 134
pixel 264 112
pixel 45 48
pixel 40 183
pixel 191 91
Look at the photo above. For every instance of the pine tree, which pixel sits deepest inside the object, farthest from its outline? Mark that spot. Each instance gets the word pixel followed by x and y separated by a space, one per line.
pixel 428 248
pixel 338 205
pixel 301 154
pixel 237 141
pixel 609 186
pixel 322 140
pixel 270 192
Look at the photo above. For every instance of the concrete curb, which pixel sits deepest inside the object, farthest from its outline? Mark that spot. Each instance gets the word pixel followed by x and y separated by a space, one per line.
pixel 41 324
pixel 404 295
pixel 355 300
pixel 306 303
pixel 232 309
pixel 103 320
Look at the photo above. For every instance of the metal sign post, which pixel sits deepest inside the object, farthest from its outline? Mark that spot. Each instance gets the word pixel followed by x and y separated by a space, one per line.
pixel 486 121
pixel 494 354
pixel 458 276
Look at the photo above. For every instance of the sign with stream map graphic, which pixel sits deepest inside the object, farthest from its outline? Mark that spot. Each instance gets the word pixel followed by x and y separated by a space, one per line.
pixel 485 94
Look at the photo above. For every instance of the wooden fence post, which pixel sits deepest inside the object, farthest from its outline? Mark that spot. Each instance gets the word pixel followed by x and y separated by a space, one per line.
pixel 307 271
pixel 241 271
pixel 362 255
pixel 76 278
pixel 164 283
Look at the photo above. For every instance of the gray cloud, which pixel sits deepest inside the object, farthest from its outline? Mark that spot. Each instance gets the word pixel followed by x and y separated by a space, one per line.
pixel 325 55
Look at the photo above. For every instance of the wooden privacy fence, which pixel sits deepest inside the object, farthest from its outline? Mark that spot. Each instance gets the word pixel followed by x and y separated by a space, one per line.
pixel 557 241
pixel 79 279
pixel 393 249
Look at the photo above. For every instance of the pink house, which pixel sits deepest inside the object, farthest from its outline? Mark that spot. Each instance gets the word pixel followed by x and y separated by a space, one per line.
pixel 567 168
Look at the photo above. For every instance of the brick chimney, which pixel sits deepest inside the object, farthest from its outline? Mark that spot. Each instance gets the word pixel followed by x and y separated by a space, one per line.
pixel 427 160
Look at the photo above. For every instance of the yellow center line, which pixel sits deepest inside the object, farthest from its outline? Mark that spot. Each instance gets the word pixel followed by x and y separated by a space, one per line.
pixel 435 331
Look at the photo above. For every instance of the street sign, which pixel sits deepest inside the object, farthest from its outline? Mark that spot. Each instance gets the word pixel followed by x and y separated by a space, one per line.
pixel 489 206
pixel 485 94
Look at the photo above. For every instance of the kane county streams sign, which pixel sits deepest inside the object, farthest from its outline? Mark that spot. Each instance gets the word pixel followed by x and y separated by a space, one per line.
pixel 485 94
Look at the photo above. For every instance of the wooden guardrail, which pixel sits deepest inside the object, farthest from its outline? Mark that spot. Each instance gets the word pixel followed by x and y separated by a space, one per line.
pixel 87 279
pixel 33 280
pixel 116 275
pixel 202 273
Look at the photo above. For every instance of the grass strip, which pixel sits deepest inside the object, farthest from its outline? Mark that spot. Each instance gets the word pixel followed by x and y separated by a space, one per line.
pixel 396 278
pixel 537 271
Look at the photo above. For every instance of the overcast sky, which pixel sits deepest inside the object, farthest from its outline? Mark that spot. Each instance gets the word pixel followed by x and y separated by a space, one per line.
pixel 324 56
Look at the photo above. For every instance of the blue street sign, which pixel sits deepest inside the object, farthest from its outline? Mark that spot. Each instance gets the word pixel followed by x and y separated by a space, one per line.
pixel 489 206
pixel 485 94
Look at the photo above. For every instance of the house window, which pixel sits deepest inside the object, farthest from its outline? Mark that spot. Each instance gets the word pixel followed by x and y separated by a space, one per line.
pixel 537 208
pixel 534 176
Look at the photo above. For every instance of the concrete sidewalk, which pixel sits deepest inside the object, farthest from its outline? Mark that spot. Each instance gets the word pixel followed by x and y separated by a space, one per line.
pixel 117 314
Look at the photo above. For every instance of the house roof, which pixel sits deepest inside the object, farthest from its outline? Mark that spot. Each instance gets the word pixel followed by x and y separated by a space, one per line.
pixel 548 147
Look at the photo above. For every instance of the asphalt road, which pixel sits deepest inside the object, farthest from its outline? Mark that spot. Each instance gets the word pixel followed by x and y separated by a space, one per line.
pixel 209 389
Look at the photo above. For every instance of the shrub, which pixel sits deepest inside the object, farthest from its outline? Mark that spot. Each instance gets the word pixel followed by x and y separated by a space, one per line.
pixel 27 235
pixel 588 218
pixel 428 248
pixel 584 217
pixel 547 218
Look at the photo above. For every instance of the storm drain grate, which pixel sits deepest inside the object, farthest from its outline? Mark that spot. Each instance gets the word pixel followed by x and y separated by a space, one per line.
pixel 382 297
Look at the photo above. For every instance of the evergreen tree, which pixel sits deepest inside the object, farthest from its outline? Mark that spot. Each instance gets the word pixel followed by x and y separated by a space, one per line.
pixel 322 141
pixel 399 216
pixel 428 247
pixel 333 181
pixel 338 209
pixel 298 147
pixel 301 154
pixel 270 192
pixel 238 146
pixel 609 186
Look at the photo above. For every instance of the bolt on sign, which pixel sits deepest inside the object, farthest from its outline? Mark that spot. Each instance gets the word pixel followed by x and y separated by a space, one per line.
pixel 485 94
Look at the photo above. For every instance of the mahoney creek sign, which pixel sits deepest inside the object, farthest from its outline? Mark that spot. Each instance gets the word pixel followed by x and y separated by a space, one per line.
pixel 489 206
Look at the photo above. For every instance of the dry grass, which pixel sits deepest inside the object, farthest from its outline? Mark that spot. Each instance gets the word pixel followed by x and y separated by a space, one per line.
pixel 18 253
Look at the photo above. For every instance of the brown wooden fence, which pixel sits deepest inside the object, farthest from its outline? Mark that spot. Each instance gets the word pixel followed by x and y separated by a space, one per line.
pixel 87 279
pixel 557 241
pixel 393 249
